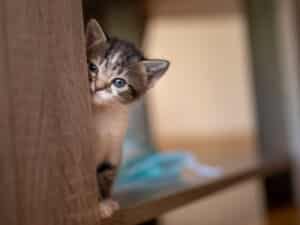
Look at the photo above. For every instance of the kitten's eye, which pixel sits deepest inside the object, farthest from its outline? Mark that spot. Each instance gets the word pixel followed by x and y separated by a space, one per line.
pixel 119 82
pixel 93 68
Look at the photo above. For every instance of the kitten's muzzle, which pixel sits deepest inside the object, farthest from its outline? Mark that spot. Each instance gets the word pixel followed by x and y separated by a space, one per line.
pixel 93 77
pixel 95 85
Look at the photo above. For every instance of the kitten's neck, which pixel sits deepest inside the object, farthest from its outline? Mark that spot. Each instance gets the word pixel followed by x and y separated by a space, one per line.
pixel 110 117
pixel 110 124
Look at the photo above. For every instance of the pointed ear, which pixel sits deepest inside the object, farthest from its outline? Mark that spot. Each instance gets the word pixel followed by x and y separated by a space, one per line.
pixel 154 69
pixel 94 34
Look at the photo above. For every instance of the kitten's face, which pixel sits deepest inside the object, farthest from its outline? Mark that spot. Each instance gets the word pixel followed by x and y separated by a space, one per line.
pixel 118 73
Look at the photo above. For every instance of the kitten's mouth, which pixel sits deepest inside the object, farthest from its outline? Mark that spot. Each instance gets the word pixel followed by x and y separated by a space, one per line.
pixel 95 89
pixel 100 89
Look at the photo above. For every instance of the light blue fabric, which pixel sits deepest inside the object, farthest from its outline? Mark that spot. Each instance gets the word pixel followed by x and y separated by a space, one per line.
pixel 159 166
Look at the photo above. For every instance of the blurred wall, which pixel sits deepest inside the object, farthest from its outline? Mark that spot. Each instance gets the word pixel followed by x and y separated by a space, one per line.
pixel 207 92
pixel 205 102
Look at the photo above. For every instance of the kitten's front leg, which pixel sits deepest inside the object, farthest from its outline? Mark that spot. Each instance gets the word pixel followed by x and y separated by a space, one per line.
pixel 106 175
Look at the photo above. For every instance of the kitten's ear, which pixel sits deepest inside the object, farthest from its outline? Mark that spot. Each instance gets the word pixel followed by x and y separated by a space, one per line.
pixel 154 69
pixel 94 34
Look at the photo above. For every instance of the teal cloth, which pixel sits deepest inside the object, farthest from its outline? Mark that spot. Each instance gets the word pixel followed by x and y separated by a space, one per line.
pixel 159 166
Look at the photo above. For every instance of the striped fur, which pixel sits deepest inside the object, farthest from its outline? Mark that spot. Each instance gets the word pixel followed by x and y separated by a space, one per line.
pixel 117 61
pixel 111 59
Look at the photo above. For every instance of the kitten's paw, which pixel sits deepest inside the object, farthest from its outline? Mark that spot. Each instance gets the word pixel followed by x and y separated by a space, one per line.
pixel 108 207
pixel 115 205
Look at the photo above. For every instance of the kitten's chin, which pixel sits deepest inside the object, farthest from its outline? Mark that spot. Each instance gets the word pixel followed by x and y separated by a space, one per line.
pixel 102 98
pixel 102 102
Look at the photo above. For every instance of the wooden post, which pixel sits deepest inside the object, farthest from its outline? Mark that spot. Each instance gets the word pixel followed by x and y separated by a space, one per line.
pixel 273 75
pixel 288 16
pixel 47 168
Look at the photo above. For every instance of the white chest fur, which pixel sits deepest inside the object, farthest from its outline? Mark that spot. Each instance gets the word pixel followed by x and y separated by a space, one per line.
pixel 110 123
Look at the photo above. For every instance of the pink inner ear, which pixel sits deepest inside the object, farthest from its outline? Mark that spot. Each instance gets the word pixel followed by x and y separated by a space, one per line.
pixel 91 39
pixel 156 68
pixel 94 35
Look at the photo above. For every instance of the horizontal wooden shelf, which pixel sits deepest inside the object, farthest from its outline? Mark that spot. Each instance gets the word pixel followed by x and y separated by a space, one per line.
pixel 151 201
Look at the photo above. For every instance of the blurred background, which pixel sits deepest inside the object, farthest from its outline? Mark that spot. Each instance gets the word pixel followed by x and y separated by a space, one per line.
pixel 231 94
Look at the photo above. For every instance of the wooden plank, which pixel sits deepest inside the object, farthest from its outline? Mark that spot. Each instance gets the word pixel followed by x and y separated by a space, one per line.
pixel 46 157
pixel 151 201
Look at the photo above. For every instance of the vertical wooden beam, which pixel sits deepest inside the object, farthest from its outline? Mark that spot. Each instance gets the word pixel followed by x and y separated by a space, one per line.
pixel 7 155
pixel 289 54
pixel 269 77
pixel 46 156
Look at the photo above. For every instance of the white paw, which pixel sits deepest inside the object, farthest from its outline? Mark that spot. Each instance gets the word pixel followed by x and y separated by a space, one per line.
pixel 108 207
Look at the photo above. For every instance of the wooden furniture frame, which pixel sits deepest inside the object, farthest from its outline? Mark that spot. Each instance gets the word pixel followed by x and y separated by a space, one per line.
pixel 46 157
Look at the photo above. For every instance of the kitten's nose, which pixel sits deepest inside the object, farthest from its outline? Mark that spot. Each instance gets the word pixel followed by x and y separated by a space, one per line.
pixel 101 84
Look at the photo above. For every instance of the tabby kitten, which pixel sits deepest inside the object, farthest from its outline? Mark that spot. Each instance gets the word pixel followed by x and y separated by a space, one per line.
pixel 118 75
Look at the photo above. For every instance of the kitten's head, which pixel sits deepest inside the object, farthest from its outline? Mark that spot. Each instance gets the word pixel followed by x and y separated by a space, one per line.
pixel 118 72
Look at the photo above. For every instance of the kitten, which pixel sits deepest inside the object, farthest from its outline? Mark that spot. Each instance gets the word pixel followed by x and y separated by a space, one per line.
pixel 118 75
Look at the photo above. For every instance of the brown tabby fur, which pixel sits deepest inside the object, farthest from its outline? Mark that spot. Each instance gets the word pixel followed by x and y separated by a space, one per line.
pixel 111 60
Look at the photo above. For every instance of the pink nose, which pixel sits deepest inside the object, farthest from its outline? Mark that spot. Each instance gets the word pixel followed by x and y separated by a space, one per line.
pixel 101 84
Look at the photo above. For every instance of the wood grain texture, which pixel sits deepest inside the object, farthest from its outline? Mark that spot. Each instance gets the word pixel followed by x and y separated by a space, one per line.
pixel 7 172
pixel 46 157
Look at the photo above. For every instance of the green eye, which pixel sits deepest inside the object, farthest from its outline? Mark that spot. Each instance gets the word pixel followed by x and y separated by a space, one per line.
pixel 93 68
pixel 119 82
